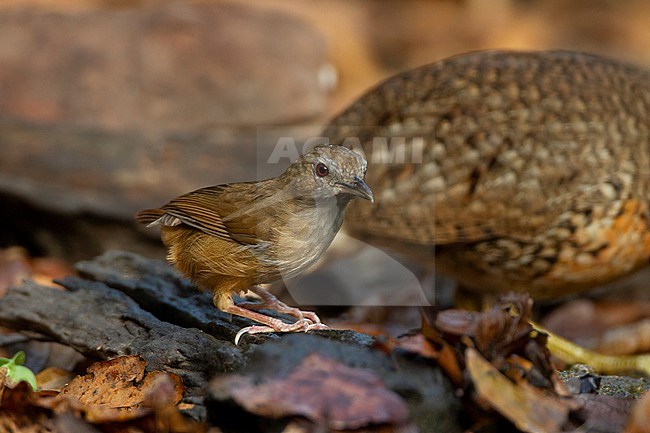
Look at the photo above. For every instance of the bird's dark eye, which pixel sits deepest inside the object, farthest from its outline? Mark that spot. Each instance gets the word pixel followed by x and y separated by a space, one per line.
pixel 322 170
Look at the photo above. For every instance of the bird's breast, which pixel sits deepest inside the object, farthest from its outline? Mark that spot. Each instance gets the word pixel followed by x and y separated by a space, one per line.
pixel 305 236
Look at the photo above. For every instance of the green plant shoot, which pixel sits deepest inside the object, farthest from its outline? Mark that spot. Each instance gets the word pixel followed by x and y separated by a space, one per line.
pixel 15 372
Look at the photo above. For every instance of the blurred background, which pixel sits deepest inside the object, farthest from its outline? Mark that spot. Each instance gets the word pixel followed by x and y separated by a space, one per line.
pixel 108 107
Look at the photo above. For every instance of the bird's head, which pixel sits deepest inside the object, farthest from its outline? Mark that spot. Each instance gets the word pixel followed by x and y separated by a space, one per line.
pixel 330 171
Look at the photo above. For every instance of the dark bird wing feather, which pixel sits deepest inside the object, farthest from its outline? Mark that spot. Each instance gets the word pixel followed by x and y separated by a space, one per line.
pixel 207 209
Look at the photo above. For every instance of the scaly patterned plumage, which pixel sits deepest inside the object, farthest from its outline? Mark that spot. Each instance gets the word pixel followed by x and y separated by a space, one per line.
pixel 522 171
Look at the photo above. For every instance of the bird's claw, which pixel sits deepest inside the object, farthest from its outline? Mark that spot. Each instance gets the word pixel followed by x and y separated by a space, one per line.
pixel 311 316
pixel 304 325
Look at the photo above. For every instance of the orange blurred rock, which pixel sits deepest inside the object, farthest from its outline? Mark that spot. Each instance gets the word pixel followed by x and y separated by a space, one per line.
pixel 171 66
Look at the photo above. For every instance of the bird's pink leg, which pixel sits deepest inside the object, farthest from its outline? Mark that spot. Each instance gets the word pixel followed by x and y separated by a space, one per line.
pixel 306 320
pixel 270 302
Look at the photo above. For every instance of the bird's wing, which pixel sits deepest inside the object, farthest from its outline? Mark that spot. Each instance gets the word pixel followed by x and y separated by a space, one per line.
pixel 208 209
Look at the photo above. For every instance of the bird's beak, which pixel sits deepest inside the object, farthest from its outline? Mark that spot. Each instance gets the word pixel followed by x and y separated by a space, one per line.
pixel 358 188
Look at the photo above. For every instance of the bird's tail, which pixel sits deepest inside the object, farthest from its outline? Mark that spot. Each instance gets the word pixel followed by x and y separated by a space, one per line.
pixel 148 216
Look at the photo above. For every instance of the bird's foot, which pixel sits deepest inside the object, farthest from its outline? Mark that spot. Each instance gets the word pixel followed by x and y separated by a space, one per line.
pixel 271 324
pixel 298 326
pixel 270 302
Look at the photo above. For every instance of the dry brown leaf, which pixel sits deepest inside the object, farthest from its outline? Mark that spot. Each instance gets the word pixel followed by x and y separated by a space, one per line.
pixel 152 394
pixel 115 390
pixel 503 335
pixel 20 410
pixel 494 331
pixel 456 321
pixel 639 421
pixel 525 406
pixel 3 382
pixel 23 423
pixel 53 379
pixel 321 390
pixel 17 396
pixel 417 343
pixel 447 357
pixel 162 396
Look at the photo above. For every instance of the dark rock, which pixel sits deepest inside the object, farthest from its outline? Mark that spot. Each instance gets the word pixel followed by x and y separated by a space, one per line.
pixel 168 296
pixel 124 304
pixel 101 323
pixel 624 387
pixel 164 293
pixel 602 413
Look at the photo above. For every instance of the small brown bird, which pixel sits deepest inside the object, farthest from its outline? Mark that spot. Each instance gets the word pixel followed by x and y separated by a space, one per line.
pixel 524 171
pixel 230 238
